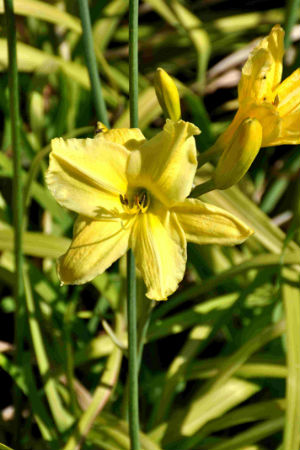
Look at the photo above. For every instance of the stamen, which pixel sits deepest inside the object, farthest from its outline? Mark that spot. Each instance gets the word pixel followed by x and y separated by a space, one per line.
pixel 140 203
pixel 276 101
pixel 124 200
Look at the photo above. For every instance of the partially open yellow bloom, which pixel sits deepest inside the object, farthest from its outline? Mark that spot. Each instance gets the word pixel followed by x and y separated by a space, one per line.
pixel 131 192
pixel 262 96
pixel 239 155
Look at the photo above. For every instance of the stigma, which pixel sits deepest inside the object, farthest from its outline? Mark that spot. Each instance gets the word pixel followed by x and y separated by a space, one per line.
pixel 138 203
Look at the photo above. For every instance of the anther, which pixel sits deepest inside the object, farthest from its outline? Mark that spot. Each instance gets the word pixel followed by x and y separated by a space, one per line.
pixel 124 200
pixel 276 101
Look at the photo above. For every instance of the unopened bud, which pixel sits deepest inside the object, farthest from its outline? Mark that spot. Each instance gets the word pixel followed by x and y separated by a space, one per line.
pixel 167 95
pixel 237 158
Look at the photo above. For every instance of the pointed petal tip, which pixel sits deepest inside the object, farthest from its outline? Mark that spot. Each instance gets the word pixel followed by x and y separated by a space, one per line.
pixel 191 129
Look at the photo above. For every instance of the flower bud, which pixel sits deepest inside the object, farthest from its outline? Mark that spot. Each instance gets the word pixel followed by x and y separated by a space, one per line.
pixel 237 158
pixel 167 95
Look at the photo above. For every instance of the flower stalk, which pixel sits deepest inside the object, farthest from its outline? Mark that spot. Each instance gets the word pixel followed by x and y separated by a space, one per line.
pixel 203 188
pixel 133 400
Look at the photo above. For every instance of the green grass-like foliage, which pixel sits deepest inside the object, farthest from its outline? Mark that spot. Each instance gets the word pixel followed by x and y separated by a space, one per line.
pixel 221 358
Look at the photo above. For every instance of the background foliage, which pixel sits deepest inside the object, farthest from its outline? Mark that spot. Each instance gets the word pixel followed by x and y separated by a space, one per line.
pixel 221 361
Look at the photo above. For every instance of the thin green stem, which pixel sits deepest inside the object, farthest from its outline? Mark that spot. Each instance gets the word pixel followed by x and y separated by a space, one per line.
pixel 291 18
pixel 17 186
pixel 209 154
pixel 91 62
pixel 133 404
pixel 133 62
pixel 203 188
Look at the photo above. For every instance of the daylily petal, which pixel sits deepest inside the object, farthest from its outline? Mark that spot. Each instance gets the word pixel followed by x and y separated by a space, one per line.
pixel 265 113
pixel 160 251
pixel 263 70
pixel 290 130
pixel 131 138
pixel 207 224
pixel 269 119
pixel 95 246
pixel 274 43
pixel 88 175
pixel 257 76
pixel 288 94
pixel 166 164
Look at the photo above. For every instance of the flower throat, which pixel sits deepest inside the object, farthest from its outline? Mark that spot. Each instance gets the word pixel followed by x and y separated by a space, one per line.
pixel 138 203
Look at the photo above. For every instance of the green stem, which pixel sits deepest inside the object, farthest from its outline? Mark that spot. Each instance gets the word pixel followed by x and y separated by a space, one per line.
pixel 91 62
pixel 209 154
pixel 133 404
pixel 203 188
pixel 17 186
pixel 133 62
pixel 291 18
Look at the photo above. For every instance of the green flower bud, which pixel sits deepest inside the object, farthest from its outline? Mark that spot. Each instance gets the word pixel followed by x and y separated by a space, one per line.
pixel 237 158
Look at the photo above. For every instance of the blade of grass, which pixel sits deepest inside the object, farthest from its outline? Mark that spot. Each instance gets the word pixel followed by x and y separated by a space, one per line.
pixel 101 394
pixel 291 299
pixel 251 369
pixel 61 416
pixel 197 34
pixel 17 200
pixel 252 435
pixel 258 262
pixel 44 11
pixel 235 361
pixel 177 369
pixel 104 29
pixel 4 447
pixel 91 62
pixel 251 413
pixel 188 422
pixel 36 244
pixel 31 59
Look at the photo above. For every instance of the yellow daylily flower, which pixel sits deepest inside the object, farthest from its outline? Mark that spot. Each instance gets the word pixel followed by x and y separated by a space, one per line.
pixel 262 95
pixel 131 192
